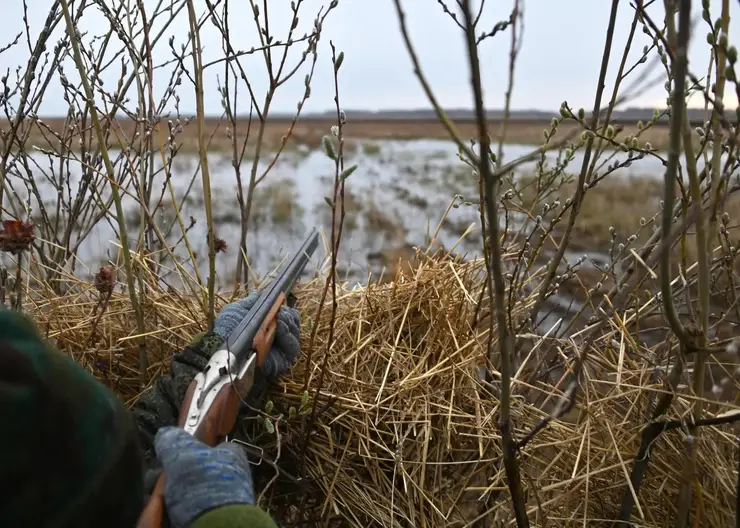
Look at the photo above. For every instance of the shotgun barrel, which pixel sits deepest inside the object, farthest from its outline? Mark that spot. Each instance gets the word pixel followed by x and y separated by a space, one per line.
pixel 240 341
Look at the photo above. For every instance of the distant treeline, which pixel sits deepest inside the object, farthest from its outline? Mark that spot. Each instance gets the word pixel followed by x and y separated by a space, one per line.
pixel 629 115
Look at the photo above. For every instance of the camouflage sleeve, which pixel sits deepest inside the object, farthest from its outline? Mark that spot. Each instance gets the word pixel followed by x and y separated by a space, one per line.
pixel 235 516
pixel 160 405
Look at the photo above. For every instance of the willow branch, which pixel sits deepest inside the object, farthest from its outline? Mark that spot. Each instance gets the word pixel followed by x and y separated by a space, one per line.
pixel 496 279
pixel 120 217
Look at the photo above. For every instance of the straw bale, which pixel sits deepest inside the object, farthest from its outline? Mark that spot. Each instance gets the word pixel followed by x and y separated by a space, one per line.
pixel 406 432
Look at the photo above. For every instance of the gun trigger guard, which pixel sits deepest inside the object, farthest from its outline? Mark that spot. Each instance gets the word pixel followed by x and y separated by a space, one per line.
pixel 252 446
pixel 291 300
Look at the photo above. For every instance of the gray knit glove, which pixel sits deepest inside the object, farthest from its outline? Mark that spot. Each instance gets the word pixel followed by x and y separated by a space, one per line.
pixel 287 337
pixel 199 478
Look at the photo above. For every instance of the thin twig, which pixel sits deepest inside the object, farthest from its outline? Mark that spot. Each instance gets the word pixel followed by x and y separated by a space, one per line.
pixel 336 237
pixel 583 176
pixel 203 152
pixel 496 280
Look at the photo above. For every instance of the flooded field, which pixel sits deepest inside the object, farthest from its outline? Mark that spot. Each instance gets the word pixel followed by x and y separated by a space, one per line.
pixel 394 202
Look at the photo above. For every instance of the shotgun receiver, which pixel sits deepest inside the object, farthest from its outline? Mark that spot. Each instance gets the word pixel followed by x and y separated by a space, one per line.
pixel 212 400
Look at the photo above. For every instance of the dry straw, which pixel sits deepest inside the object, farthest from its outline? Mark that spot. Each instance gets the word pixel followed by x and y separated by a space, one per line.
pixel 407 433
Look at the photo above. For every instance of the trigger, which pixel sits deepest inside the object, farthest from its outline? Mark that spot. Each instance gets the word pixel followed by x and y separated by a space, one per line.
pixel 291 300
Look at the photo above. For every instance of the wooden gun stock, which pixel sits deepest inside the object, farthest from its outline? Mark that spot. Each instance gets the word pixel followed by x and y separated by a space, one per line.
pixel 265 336
pixel 221 417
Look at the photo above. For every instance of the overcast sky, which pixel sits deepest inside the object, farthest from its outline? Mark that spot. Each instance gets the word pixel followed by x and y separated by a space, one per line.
pixel 559 60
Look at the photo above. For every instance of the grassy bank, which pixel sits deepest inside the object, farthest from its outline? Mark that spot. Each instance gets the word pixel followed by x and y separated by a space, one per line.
pixel 54 133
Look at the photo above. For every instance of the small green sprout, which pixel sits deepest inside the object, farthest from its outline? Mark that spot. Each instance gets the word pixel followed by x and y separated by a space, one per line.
pixel 340 60
pixel 304 401
pixel 346 173
pixel 329 149
pixel 732 54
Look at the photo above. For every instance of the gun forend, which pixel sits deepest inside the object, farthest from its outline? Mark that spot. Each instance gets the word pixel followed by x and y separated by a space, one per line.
pixel 257 323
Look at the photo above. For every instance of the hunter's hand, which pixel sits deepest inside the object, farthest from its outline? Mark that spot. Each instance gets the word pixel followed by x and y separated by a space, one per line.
pixel 287 343
pixel 200 478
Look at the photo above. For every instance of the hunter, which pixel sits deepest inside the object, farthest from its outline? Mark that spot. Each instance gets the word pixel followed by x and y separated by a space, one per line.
pixel 74 456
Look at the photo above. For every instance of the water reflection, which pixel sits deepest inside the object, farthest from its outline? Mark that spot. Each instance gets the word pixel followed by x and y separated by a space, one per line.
pixel 394 200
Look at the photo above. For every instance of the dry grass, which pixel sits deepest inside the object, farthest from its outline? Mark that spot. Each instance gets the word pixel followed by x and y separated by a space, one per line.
pixel 629 205
pixel 309 131
pixel 410 435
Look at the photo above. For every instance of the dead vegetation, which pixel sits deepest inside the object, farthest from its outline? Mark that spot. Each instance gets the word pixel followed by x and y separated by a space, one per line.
pixel 408 431
pixel 309 130
pixel 446 397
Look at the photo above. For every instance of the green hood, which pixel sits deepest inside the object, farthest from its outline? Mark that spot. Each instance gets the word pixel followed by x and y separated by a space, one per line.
pixel 70 453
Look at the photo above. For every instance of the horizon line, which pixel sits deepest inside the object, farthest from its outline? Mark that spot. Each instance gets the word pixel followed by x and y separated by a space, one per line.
pixel 417 110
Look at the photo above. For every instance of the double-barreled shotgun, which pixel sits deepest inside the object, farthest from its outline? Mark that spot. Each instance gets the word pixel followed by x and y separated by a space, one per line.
pixel 211 404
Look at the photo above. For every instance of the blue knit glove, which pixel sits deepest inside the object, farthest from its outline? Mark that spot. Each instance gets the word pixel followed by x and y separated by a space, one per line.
pixel 287 343
pixel 199 478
